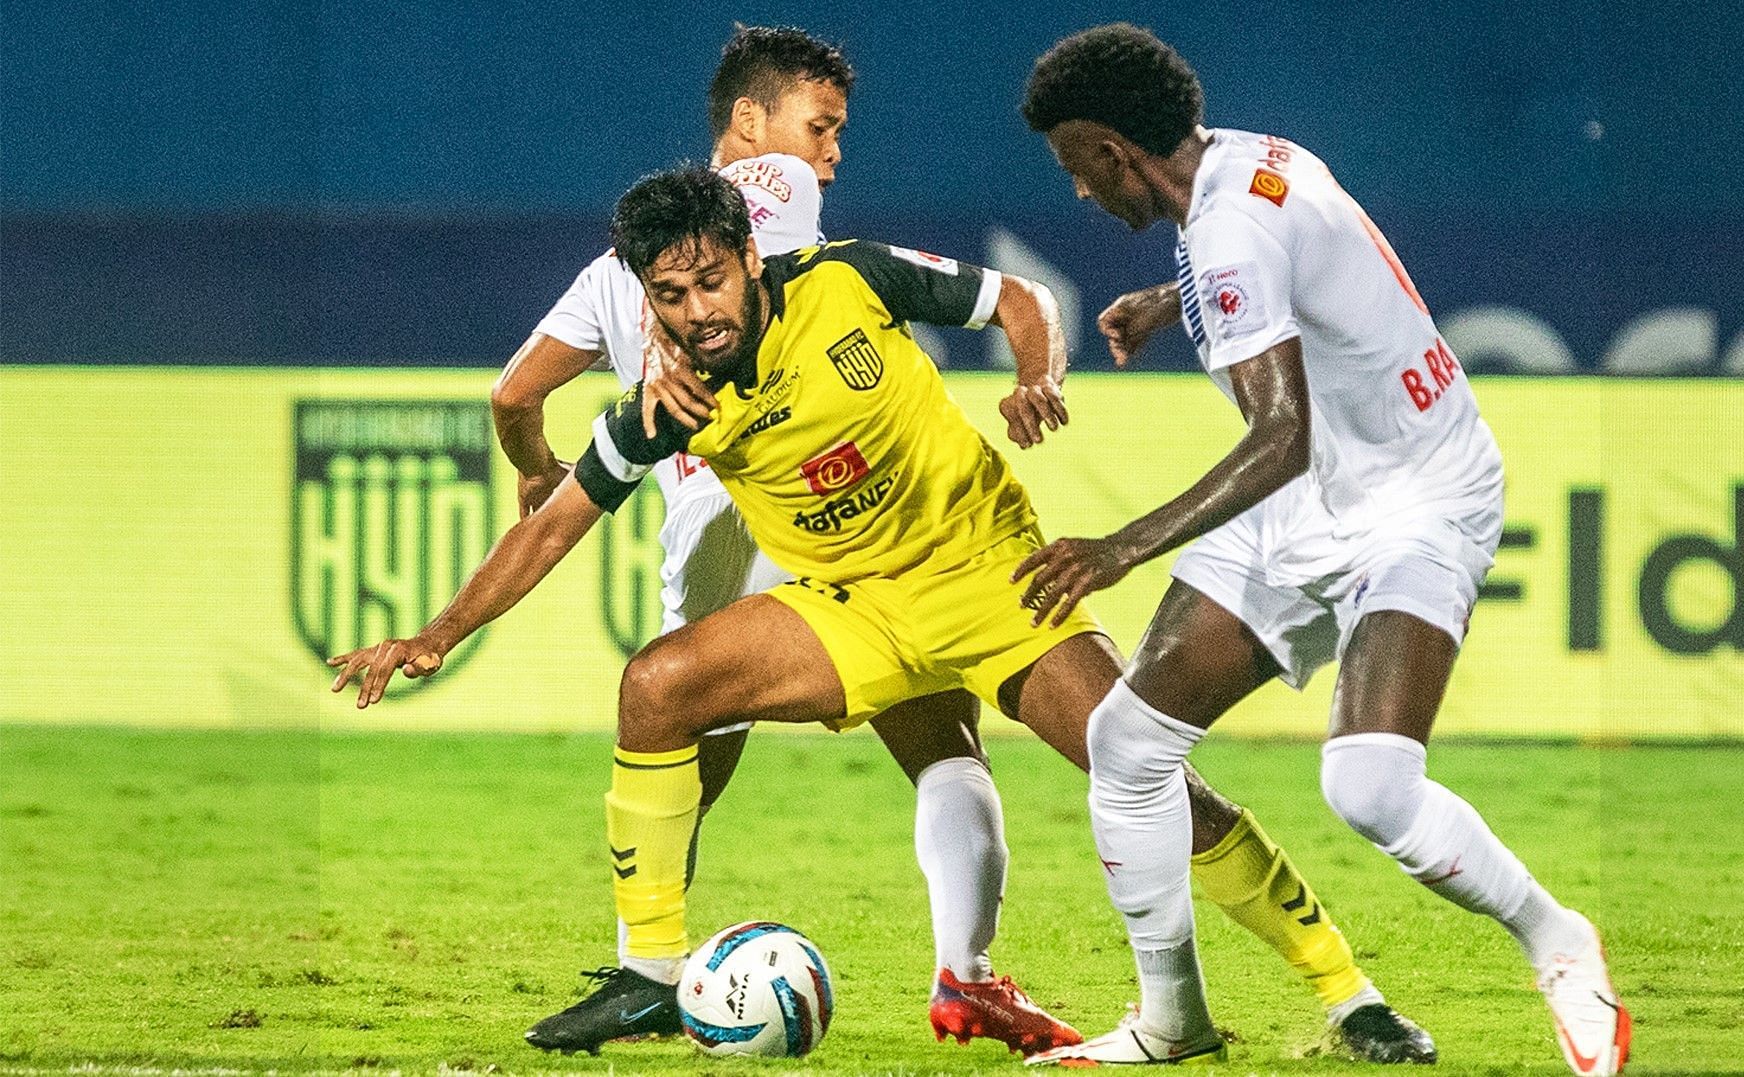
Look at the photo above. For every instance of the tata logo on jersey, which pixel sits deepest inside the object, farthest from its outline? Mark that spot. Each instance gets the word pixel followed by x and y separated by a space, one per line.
pixel 857 361
pixel 841 467
pixel 390 511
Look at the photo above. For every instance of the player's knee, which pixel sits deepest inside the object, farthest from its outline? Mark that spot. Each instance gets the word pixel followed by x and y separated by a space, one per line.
pixel 657 687
pixel 1374 782
pixel 1134 751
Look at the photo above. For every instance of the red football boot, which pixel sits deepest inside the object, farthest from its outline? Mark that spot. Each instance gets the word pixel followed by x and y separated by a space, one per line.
pixel 997 1010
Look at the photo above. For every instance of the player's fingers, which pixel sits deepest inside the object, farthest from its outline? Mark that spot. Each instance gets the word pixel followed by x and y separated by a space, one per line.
pixel 381 667
pixel 350 663
pixel 1039 595
pixel 695 387
pixel 1068 601
pixel 1031 563
pixel 1055 407
pixel 1028 418
pixel 650 400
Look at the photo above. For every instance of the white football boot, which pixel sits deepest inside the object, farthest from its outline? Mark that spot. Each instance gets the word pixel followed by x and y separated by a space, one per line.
pixel 1132 1045
pixel 1591 1024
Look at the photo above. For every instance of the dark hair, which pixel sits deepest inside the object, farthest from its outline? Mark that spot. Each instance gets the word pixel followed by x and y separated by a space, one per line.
pixel 1120 76
pixel 684 206
pixel 763 62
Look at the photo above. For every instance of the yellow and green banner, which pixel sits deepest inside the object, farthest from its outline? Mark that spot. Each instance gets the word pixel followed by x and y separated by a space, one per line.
pixel 184 547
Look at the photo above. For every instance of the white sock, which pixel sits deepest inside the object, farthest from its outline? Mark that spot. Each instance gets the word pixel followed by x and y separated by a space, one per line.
pixel 959 839
pixel 1143 826
pixel 666 970
pixel 1376 782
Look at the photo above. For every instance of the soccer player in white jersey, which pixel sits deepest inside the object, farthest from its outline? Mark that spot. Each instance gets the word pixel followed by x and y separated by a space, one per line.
pixel 1354 520
pixel 777 105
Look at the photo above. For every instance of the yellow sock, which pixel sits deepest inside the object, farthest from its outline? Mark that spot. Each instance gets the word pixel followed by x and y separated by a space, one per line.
pixel 651 813
pixel 1253 881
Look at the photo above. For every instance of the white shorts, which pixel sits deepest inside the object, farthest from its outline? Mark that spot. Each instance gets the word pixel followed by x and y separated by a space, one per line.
pixel 711 562
pixel 1283 570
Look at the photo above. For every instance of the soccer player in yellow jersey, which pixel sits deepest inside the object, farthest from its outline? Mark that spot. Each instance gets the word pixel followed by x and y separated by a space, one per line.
pixel 855 471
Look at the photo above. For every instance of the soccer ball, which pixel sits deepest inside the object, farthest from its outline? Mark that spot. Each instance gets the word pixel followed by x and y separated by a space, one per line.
pixel 757 988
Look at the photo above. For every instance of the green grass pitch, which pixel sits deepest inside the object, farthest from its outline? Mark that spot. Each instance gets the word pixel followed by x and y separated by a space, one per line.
pixel 399 901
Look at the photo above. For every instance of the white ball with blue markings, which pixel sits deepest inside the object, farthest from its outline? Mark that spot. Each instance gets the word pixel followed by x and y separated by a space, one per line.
pixel 757 988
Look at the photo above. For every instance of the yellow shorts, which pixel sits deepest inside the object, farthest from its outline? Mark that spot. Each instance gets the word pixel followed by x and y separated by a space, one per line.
pixel 894 639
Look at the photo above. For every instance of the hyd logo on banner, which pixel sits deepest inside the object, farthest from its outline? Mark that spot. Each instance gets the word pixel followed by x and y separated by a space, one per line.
pixel 390 512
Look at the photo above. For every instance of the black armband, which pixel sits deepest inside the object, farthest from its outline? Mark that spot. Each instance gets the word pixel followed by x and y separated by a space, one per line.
pixel 603 488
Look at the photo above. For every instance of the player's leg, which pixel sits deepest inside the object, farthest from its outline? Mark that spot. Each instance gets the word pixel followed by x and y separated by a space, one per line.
pixel 1142 823
pixel 959 839
pixel 1390 687
pixel 711 561
pixel 1198 660
pixel 959 827
pixel 673 691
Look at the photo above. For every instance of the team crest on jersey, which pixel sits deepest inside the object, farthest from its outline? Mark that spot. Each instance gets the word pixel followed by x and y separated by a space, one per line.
pixel 1269 186
pixel 764 174
pixel 841 467
pixel 857 361
pixel 390 512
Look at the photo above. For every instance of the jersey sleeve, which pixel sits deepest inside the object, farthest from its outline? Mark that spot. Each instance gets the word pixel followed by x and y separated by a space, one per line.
pixel 782 196
pixel 621 452
pixel 1243 277
pixel 578 319
pixel 920 287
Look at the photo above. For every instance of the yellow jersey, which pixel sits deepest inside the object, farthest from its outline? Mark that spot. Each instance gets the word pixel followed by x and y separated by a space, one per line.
pixel 842 450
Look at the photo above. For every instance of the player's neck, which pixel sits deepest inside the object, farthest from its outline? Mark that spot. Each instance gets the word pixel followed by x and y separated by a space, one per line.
pixel 729 150
pixel 1171 178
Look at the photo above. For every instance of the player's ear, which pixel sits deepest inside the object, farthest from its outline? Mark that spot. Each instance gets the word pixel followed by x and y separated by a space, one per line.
pixel 749 120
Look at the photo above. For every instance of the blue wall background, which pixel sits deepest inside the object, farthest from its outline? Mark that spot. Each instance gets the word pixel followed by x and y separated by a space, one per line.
pixel 372 183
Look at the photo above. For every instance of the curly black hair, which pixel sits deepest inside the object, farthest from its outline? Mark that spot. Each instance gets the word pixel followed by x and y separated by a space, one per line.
pixel 763 62
pixel 1121 76
pixel 683 206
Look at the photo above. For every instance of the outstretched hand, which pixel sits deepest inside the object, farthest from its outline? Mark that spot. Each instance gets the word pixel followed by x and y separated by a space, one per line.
pixel 1031 407
pixel 374 666
pixel 1068 569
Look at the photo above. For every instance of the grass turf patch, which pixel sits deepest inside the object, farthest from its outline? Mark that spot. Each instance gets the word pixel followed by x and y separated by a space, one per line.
pixel 285 901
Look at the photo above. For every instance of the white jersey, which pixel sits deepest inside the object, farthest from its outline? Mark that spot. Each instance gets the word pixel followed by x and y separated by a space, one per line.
pixel 1274 248
pixel 606 311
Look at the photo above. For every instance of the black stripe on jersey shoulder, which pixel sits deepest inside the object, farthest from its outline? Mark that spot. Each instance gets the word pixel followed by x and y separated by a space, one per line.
pixel 780 270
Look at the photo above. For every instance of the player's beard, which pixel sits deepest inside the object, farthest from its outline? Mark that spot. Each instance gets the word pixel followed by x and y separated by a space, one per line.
pixel 741 362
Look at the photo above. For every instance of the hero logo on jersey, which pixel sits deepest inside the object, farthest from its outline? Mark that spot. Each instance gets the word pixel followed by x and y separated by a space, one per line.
pixel 926 260
pixel 764 174
pixel 1234 303
pixel 857 361
pixel 841 467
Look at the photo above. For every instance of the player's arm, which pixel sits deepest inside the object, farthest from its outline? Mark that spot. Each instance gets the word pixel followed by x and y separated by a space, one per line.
pixel 541 366
pixel 601 481
pixel 1030 318
pixel 919 287
pixel 1272 390
pixel 1130 321
pixel 519 560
